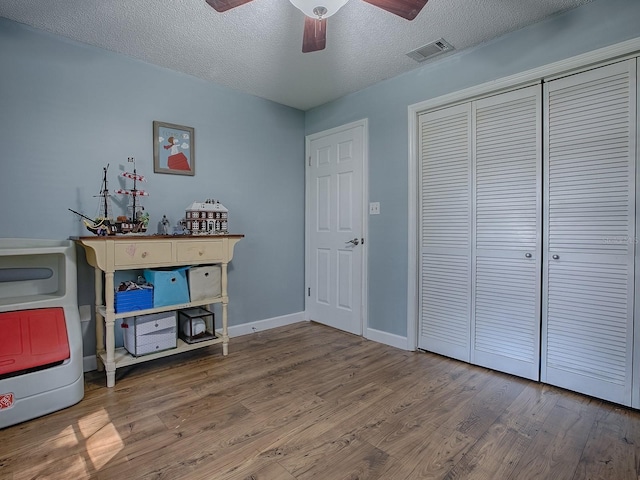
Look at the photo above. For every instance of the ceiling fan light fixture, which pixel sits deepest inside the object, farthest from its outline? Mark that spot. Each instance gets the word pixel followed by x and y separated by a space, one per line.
pixel 313 8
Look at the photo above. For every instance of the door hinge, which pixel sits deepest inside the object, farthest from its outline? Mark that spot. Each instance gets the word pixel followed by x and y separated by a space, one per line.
pixel 309 292
pixel 309 160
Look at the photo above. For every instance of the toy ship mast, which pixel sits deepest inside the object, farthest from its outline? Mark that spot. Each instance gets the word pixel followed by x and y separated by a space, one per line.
pixel 133 192
pixel 104 193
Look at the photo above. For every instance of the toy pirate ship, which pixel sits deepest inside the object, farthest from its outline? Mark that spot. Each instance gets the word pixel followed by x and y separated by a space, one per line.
pixel 135 222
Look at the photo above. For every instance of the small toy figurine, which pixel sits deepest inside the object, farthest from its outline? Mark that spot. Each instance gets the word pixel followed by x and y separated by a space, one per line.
pixel 165 225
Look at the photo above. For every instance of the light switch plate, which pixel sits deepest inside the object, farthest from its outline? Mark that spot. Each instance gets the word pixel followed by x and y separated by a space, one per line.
pixel 374 208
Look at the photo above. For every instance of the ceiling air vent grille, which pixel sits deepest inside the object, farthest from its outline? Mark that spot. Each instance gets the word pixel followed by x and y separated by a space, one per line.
pixel 430 50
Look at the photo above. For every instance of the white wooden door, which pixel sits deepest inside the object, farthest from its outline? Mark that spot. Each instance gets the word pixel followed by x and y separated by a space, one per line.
pixel 445 231
pixel 588 291
pixel 335 227
pixel 507 211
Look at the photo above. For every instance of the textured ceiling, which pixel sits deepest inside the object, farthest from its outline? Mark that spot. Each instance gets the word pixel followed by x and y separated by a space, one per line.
pixel 256 48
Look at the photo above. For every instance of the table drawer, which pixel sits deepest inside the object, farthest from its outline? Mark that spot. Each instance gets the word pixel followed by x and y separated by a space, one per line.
pixel 141 253
pixel 200 252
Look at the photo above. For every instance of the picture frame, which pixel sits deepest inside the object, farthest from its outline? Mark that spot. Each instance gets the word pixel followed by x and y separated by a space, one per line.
pixel 173 149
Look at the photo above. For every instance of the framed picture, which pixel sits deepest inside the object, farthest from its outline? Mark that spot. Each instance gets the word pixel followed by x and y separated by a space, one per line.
pixel 173 149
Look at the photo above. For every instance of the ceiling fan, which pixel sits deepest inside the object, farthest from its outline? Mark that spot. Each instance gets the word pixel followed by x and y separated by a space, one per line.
pixel 317 11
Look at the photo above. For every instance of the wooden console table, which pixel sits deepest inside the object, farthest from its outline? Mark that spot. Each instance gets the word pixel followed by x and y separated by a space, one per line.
pixel 112 253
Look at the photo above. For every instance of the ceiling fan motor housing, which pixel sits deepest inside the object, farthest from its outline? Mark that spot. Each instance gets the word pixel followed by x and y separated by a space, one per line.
pixel 320 11
pixel 309 7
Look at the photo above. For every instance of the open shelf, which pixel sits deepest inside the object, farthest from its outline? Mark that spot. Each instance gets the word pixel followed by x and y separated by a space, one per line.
pixel 102 310
pixel 124 358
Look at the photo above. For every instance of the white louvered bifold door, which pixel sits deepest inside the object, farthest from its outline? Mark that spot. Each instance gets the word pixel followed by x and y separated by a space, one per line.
pixel 589 242
pixel 507 193
pixel 445 231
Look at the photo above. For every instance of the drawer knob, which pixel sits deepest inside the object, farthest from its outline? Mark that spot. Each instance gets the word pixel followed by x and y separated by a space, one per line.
pixel 144 254
pixel 200 253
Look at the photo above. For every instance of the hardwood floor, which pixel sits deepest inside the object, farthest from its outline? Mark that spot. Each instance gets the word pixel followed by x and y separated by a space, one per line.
pixel 309 402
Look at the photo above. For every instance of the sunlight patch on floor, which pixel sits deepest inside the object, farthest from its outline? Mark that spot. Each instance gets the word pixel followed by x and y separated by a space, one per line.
pixel 90 424
pixel 71 467
pixel 65 438
pixel 104 445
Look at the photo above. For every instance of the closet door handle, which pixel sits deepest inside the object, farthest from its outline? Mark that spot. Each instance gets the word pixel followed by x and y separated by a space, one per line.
pixel 527 255
pixel 555 257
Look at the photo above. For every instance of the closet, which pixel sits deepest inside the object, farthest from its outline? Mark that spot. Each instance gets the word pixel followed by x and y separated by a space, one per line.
pixel 526 248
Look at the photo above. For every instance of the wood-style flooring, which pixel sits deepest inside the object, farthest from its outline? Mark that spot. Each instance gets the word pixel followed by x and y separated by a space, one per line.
pixel 308 402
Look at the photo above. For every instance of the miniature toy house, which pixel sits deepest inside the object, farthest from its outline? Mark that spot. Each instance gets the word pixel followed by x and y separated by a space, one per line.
pixel 207 218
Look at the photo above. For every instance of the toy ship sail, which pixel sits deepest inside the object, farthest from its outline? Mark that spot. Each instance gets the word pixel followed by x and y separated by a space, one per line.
pixel 138 219
pixel 135 222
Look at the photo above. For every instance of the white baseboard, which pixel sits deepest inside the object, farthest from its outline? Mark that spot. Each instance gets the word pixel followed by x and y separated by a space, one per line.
pixel 387 338
pixel 266 324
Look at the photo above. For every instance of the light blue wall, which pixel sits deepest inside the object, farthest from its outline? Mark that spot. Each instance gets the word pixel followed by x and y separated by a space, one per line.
pixel 596 25
pixel 67 109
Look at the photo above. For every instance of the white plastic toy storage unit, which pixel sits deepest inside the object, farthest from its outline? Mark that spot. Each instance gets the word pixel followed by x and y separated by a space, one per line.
pixel 40 334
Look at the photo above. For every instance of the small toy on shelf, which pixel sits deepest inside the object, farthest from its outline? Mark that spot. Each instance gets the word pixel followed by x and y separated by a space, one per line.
pixel 164 224
pixel 180 228
pixel 207 218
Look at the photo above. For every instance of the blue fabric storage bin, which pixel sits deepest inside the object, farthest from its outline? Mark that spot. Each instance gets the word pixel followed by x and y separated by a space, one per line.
pixel 131 300
pixel 169 286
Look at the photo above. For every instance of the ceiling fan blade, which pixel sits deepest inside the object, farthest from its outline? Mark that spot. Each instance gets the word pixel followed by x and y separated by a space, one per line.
pixel 408 9
pixel 224 5
pixel 315 34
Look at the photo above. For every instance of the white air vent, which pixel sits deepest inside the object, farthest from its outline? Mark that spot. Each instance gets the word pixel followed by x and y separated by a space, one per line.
pixel 430 50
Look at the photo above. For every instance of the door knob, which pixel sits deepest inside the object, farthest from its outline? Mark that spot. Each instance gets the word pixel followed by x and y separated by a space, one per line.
pixel 555 257
pixel 355 241
pixel 527 255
